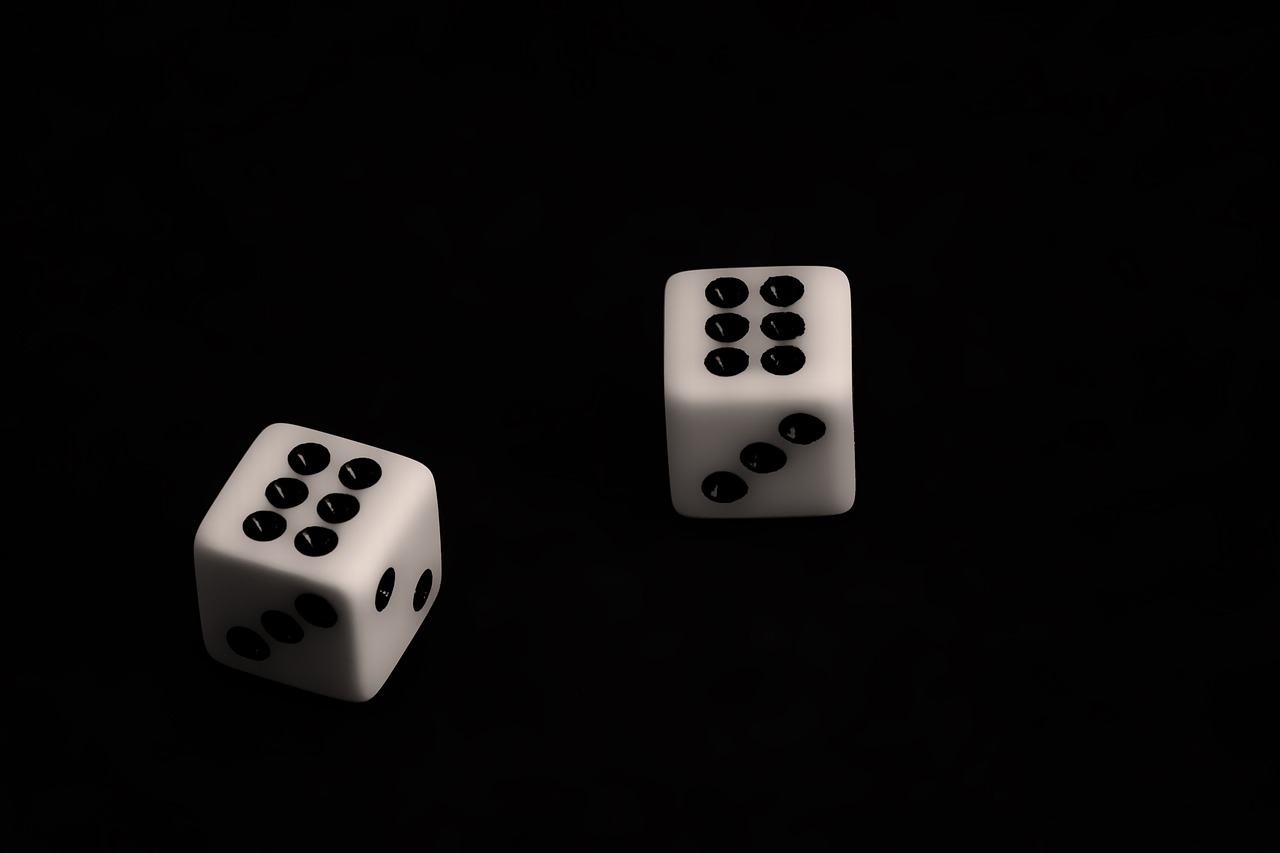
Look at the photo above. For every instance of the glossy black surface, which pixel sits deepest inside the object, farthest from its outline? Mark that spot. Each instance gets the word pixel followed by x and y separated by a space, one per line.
pixel 360 473
pixel 782 360
pixel 782 326
pixel 727 292
pixel 309 458
pixel 337 507
pixel 316 610
pixel 264 525
pixel 386 584
pixel 422 591
pixel 762 457
pixel 726 361
pixel 281 626
pixel 315 541
pixel 248 643
pixel 724 487
pixel 286 492
pixel 727 328
pixel 782 290
pixel 801 428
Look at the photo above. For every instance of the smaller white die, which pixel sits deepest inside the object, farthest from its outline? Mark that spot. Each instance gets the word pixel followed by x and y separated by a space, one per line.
pixel 758 379
pixel 318 561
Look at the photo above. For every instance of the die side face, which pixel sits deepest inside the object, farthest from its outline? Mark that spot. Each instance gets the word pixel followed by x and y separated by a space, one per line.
pixel 387 614
pixel 270 624
pixel 318 561
pixel 759 392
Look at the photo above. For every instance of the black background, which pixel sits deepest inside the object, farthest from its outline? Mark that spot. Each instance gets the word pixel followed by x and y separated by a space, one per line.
pixel 445 232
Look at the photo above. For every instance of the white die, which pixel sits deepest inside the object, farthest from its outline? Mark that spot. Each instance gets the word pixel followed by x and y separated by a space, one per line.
pixel 294 587
pixel 758 376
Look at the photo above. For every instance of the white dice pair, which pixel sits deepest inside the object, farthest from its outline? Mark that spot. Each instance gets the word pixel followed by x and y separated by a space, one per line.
pixel 320 558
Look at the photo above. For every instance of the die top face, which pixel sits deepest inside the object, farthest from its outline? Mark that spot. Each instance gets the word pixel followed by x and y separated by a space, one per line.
pixel 317 505
pixel 757 333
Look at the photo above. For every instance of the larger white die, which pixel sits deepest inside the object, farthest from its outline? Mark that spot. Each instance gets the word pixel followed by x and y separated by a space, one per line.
pixel 758 373
pixel 318 562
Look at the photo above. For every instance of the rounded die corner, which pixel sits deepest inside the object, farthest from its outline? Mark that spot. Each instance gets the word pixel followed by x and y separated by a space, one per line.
pixel 682 512
pixel 843 276
pixel 848 500
pixel 421 469
pixel 201 540
pixel 276 427
pixel 357 697
pixel 675 278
